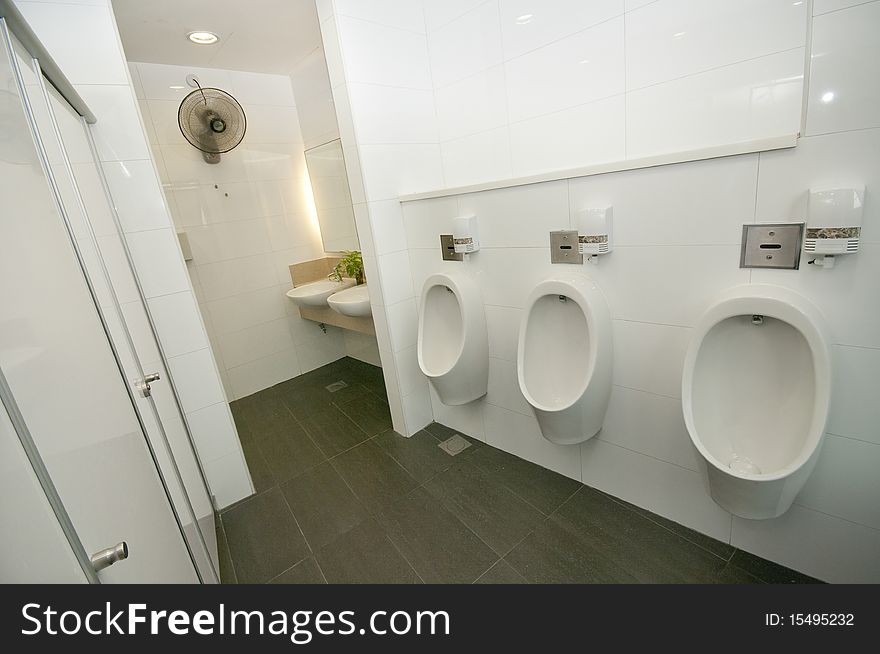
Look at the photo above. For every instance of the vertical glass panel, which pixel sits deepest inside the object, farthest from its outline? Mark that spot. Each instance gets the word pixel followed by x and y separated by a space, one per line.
pixel 332 197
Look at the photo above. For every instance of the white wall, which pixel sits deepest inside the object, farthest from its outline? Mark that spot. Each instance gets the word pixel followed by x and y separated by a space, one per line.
pixel 678 230
pixel 247 218
pixel 99 74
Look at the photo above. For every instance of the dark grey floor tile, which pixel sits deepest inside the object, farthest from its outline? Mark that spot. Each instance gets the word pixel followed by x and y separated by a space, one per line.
pixel 491 510
pixel 420 454
pixel 544 489
pixel 501 573
pixel 369 412
pixel 267 415
pixel 332 430
pixel 553 555
pixel 375 477
pixel 263 537
pixel 732 574
pixel 227 570
pixel 304 572
pixel 645 550
pixel 769 572
pixel 323 504
pixel 289 453
pixel 364 555
pixel 717 547
pixel 442 432
pixel 436 543
pixel 259 469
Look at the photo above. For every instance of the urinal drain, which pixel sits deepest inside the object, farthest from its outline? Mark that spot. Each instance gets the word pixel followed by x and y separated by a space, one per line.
pixel 454 445
pixel 741 463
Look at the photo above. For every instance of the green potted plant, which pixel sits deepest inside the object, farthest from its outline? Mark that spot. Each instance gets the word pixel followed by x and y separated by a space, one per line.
pixel 351 265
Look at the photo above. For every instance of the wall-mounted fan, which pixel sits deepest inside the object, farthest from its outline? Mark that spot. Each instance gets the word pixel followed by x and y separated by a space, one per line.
pixel 212 121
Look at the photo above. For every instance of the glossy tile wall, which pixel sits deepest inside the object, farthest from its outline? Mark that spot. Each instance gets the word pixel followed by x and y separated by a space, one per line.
pixel 677 231
pixel 100 75
pixel 247 219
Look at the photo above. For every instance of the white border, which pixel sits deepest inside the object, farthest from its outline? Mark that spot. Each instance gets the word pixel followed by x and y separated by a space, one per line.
pixel 730 150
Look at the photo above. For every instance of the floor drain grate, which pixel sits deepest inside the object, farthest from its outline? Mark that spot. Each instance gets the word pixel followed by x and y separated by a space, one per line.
pixel 454 445
pixel 336 386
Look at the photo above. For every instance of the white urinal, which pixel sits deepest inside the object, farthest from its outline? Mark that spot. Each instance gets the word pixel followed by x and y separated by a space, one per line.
pixel 453 345
pixel 755 394
pixel 564 357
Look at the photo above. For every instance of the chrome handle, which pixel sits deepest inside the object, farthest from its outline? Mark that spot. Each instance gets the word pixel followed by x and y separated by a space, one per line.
pixel 107 557
pixel 144 384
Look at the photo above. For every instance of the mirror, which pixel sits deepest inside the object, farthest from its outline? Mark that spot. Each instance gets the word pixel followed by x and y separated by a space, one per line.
pixel 332 197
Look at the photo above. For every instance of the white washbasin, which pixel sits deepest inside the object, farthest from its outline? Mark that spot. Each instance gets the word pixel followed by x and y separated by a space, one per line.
pixel 315 294
pixel 351 302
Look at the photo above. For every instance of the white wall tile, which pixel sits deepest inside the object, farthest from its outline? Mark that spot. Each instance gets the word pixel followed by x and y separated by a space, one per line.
pixel 321 350
pixel 845 70
pixel 425 221
pixel 395 277
pixel 854 411
pixel 587 134
pixel 376 54
pixel 259 88
pixel 519 216
pixel 649 357
pixel 119 136
pixel 196 378
pixel 441 12
pixel 804 539
pixel 402 324
pixel 466 45
pixel 477 158
pixel 465 418
pixel 252 343
pixel 230 480
pixel 824 6
pixel 404 14
pixel 520 435
pixel 384 114
pixel 550 21
pixel 581 68
pixel 136 195
pixel 503 324
pixel 669 490
pixel 750 100
pixel 409 375
pixel 178 322
pixel 851 494
pixel 417 410
pixel 699 203
pixel 676 38
pixel 473 104
pixel 504 388
pixel 393 170
pixel 236 276
pixel 60 27
pixel 157 258
pixel 259 374
pixel 649 424
pixel 213 431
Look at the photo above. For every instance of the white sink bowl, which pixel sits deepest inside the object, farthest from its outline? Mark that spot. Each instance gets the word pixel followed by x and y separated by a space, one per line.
pixel 315 294
pixel 351 302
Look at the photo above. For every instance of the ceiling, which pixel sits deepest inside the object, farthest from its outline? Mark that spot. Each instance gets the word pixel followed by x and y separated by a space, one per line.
pixel 265 36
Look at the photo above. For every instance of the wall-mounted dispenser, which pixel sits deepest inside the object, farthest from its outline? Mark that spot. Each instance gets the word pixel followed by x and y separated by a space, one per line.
pixel 595 229
pixel 465 234
pixel 834 223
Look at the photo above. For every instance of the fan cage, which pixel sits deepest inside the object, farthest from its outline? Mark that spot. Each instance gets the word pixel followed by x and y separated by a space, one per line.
pixel 195 128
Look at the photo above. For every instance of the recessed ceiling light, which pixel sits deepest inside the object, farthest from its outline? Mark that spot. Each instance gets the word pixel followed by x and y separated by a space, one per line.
pixel 525 18
pixel 828 96
pixel 203 38
pixel 678 35
pixel 176 88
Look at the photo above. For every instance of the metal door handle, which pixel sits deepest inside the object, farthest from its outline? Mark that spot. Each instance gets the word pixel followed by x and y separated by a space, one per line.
pixel 144 384
pixel 107 557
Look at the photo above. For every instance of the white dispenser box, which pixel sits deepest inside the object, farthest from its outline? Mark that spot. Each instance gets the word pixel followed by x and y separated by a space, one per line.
pixel 595 230
pixel 834 221
pixel 465 236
